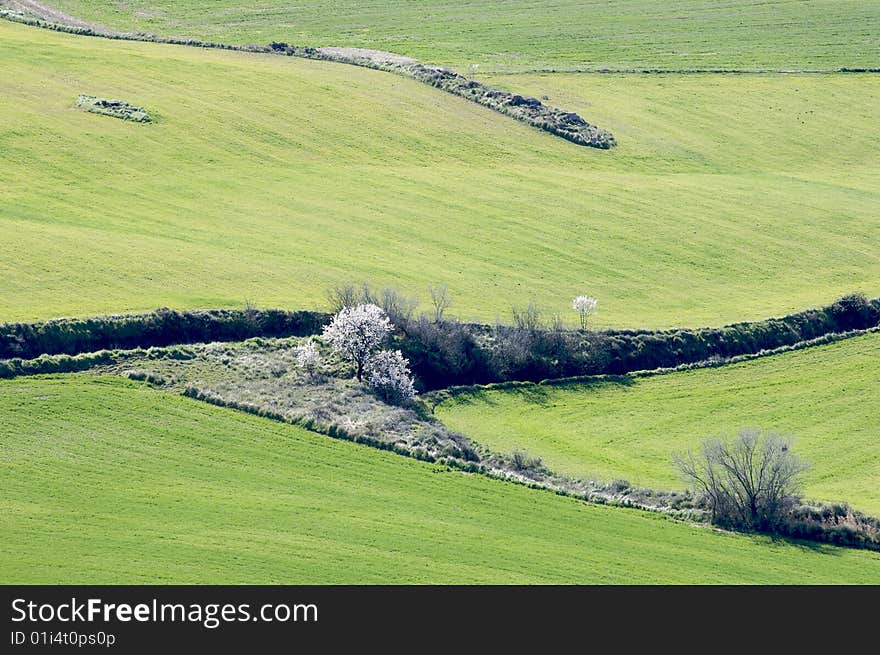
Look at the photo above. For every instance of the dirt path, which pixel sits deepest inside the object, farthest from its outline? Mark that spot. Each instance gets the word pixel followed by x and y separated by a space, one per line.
pixel 379 56
pixel 39 10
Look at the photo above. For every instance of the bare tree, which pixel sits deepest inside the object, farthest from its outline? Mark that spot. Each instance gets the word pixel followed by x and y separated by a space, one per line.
pixel 556 324
pixel 440 300
pixel 751 481
pixel 399 308
pixel 368 296
pixel 250 313
pixel 528 318
pixel 342 297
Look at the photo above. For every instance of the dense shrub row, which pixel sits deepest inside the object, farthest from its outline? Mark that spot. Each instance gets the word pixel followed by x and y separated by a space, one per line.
pixel 532 111
pixel 48 364
pixel 623 351
pixel 836 524
pixel 163 327
pixel 44 364
pixel 448 353
pixel 436 397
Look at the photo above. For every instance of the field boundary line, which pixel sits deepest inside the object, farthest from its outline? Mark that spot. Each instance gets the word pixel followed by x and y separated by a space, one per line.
pixel 531 111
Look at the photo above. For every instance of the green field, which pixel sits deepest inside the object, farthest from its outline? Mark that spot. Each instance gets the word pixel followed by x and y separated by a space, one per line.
pixel 268 180
pixel 530 35
pixel 108 481
pixel 828 397
pixel 271 179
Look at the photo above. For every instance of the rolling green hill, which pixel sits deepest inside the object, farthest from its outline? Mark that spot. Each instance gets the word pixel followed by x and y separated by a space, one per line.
pixel 108 481
pixel 527 34
pixel 271 179
pixel 828 397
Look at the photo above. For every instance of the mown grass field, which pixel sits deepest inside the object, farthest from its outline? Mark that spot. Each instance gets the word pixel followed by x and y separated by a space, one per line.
pixel 828 397
pixel 108 481
pixel 530 35
pixel 271 179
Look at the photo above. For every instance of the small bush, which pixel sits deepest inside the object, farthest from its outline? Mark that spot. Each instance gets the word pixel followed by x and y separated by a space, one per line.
pixel 309 360
pixel 522 461
pixel 619 486
pixel 390 377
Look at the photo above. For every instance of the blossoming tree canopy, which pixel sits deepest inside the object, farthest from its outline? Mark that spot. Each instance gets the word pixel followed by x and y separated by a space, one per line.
pixel 356 332
pixel 584 306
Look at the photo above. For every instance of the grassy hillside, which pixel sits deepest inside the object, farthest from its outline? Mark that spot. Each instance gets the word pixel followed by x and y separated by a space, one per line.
pixel 827 396
pixel 106 481
pixel 273 178
pixel 527 34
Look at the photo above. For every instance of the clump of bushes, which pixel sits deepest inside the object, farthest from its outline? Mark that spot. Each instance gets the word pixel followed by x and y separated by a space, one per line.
pixel 523 461
pixel 309 360
pixel 835 523
pixel 855 312
pixel 114 108
pixel 146 376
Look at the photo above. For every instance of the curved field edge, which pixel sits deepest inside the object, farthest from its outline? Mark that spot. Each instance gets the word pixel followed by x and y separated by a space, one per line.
pixel 531 111
pixel 620 351
pixel 521 35
pixel 627 427
pixel 106 481
pixel 330 159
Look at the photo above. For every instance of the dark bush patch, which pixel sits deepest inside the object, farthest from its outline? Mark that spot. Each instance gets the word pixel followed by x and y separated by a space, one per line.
pixel 522 461
pixel 447 353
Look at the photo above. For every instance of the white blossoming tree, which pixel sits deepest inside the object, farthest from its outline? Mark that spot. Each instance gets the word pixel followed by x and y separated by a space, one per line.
pixel 357 332
pixel 308 359
pixel 390 376
pixel 584 306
